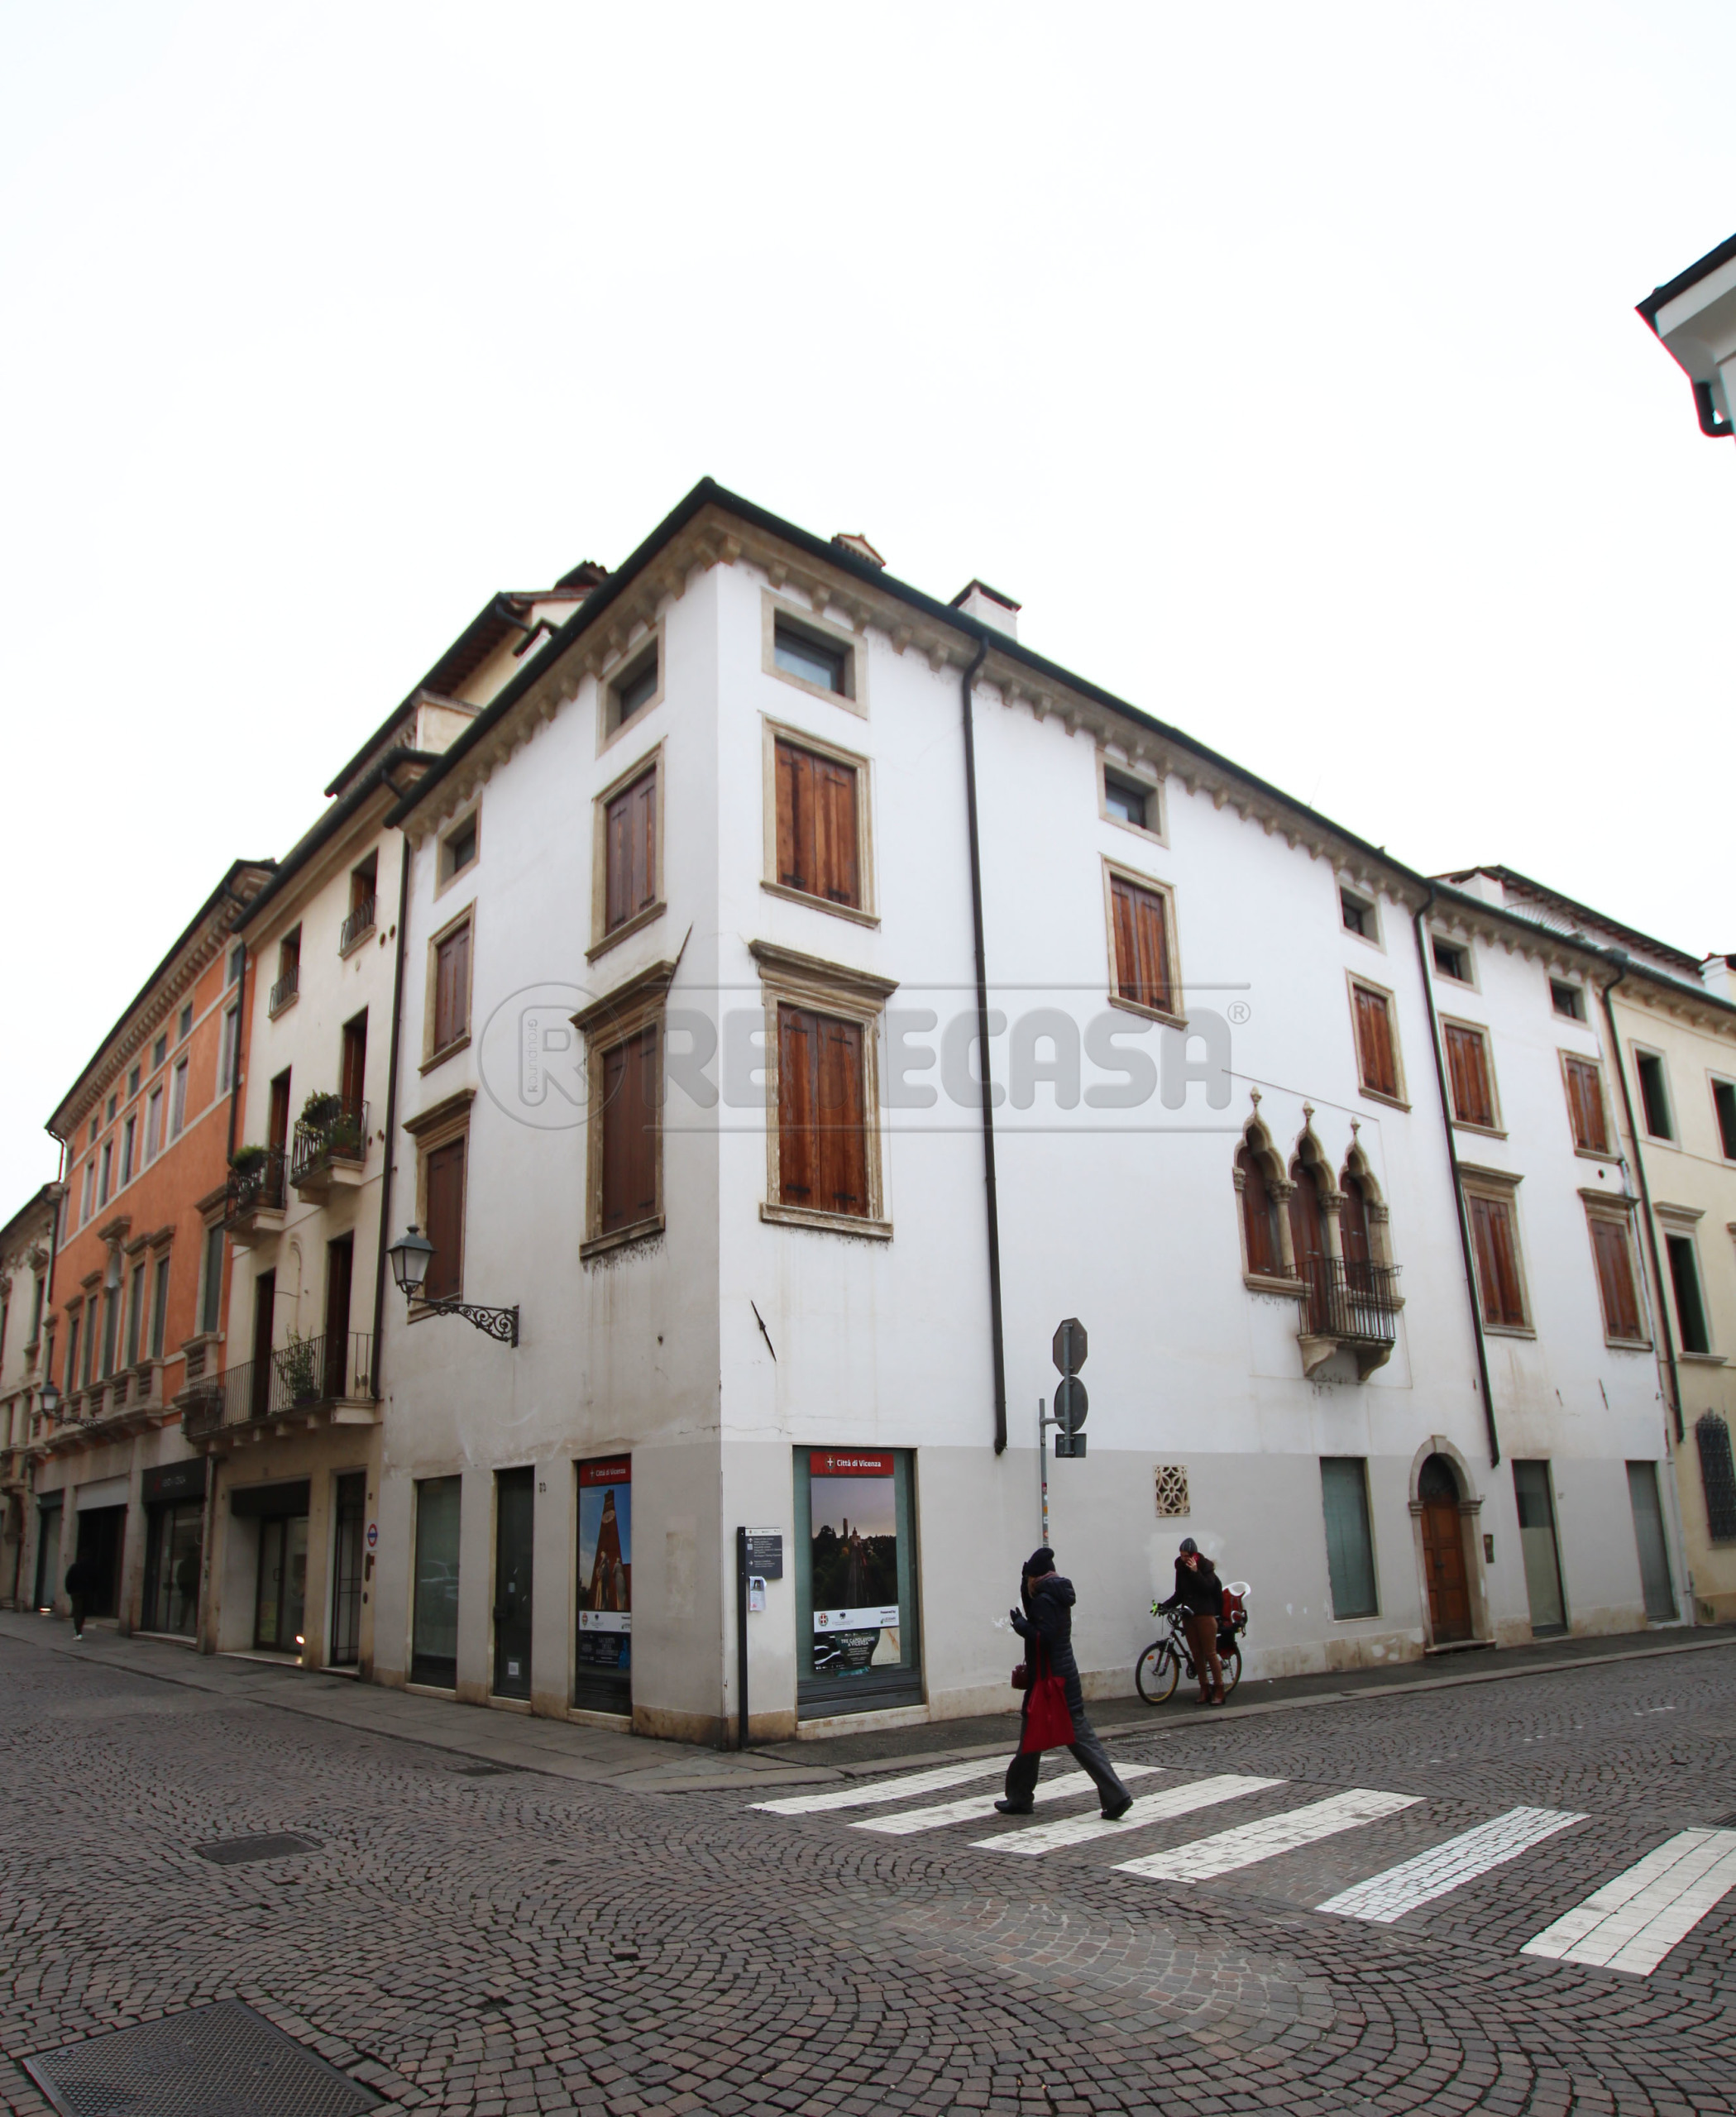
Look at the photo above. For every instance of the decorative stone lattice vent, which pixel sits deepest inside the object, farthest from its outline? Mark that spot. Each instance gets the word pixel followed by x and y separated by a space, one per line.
pixel 1171 1489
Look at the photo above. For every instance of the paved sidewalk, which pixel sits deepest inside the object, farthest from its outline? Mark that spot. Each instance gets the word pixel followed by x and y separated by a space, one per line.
pixel 637 1764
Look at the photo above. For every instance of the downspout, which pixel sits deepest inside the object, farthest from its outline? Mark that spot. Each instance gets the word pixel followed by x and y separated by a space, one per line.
pixel 1645 1200
pixel 966 689
pixel 391 1123
pixel 1458 1188
pixel 240 1031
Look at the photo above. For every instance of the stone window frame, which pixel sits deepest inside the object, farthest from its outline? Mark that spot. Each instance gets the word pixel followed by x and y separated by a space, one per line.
pixel 1119 870
pixel 639 1004
pixel 1616 1210
pixel 602 941
pixel 789 978
pixel 437 1126
pixel 1501 1187
pixel 1149 782
pixel 1485 1036
pixel 774 732
pixel 434 1055
pixel 1401 1100
pixel 772 607
pixel 627 662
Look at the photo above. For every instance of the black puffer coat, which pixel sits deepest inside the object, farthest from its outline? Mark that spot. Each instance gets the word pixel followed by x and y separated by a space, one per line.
pixel 1048 1622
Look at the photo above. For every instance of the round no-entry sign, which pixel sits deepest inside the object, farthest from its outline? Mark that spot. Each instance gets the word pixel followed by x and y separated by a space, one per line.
pixel 373 1534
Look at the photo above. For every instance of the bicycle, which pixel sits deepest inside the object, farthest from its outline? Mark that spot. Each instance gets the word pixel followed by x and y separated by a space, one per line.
pixel 1158 1670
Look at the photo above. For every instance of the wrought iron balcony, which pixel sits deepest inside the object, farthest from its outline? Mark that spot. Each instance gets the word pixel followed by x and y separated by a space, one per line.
pixel 1352 1301
pixel 256 1186
pixel 286 988
pixel 333 1129
pixel 356 927
pixel 308 1374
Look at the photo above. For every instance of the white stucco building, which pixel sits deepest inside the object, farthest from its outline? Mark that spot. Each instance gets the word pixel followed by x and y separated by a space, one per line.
pixel 751 847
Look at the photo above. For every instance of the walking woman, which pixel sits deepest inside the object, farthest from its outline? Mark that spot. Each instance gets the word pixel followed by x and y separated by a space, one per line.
pixel 1046 1625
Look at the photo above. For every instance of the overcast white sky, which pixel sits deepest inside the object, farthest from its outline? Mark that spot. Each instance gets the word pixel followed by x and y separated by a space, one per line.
pixel 1283 361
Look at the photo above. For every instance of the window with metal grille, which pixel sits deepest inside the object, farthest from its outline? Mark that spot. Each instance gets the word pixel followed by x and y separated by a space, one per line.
pixel 1717 1476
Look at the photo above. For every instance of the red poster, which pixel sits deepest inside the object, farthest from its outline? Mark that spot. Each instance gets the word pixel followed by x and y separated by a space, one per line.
pixel 613 1471
pixel 836 1463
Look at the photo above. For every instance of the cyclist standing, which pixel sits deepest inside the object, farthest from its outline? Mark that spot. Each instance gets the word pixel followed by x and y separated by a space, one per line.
pixel 1200 1593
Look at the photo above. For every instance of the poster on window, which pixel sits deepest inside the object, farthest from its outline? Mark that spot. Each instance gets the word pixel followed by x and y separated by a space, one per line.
pixel 853 1558
pixel 605 1564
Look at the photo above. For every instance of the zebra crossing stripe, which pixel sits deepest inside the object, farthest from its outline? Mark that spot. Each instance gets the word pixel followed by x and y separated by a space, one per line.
pixel 1150 1807
pixel 1065 1785
pixel 1386 1897
pixel 865 1795
pixel 1633 1922
pixel 1221 1854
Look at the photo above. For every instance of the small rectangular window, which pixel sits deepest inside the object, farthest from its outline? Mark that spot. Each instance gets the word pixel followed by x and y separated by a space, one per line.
pixel 1349 1549
pixel 1691 1313
pixel 107 1170
pixel 452 987
pixel 87 1205
pixel 1377 1056
pixel 108 1118
pixel 445 1191
pixel 1127 800
pixel 635 688
pixel 183 1028
pixel 238 962
pixel 154 1125
pixel 1468 1073
pixel 72 1351
pixel 1357 913
pixel 1615 1286
pixel 1653 1094
pixel 458 850
pixel 229 1058
pixel 136 1317
pixel 178 1100
pixel 1585 1107
pixel 1567 1000
pixel 1451 961
pixel 822 662
pixel 133 1083
pixel 817 849
pixel 1495 1237
pixel 129 1145
pixel 822 1118
pixel 1724 1102
pixel 629 825
pixel 1139 937
pixel 158 1051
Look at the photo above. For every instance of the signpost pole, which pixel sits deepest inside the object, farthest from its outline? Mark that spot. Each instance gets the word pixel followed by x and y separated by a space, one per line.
pixel 741 1636
pixel 1043 1423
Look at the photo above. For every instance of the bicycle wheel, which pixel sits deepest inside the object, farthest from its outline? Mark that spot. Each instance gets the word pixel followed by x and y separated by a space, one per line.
pixel 1231 1663
pixel 1157 1672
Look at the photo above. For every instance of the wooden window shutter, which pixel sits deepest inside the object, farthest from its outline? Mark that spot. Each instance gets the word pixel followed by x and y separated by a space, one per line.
pixel 843 1154
pixel 1375 1041
pixel 1498 1262
pixel 1467 1069
pixel 1141 945
pixel 445 1182
pixel 1615 1279
pixel 451 987
pixel 630 1131
pixel 630 837
pixel 817 849
pixel 1585 1105
pixel 798 1036
pixel 1259 1222
pixel 822 1128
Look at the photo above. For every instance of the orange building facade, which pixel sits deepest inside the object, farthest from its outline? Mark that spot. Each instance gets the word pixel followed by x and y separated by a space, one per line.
pixel 138 1306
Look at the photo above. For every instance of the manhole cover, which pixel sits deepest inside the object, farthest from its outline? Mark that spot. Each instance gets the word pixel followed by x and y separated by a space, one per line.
pixel 222 2061
pixel 238 1852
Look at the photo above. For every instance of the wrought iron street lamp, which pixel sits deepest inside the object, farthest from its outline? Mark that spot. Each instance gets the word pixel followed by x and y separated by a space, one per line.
pixel 48 1401
pixel 409 1255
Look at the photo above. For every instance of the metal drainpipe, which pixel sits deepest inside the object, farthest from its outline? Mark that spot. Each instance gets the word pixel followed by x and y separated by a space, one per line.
pixel 1645 1200
pixel 1458 1188
pixel 391 1125
pixel 241 1030
pixel 998 1346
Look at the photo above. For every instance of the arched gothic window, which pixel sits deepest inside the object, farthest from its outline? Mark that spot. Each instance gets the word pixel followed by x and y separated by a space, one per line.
pixel 1258 1217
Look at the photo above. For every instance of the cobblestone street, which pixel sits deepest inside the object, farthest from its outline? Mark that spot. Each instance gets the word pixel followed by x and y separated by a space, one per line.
pixel 462 1937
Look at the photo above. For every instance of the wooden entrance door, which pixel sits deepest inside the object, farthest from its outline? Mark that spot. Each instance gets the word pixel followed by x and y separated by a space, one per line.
pixel 1443 1552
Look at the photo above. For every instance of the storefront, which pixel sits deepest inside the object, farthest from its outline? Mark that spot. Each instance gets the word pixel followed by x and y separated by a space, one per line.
pixel 434 1612
pixel 50 1514
pixel 102 1536
pixel 174 1499
pixel 856 1630
pixel 348 1563
pixel 279 1515
pixel 514 1552
pixel 602 1678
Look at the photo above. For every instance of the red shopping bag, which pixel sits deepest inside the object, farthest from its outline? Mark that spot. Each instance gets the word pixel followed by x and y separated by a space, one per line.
pixel 1047 1723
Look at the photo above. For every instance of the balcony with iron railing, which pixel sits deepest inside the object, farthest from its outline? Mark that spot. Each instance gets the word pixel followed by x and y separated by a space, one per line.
pixel 357 926
pixel 1350 1302
pixel 286 987
pixel 328 1375
pixel 253 1196
pixel 330 1145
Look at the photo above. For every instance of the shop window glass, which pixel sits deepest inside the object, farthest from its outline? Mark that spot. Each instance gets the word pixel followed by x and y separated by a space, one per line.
pixel 603 1663
pixel 856 1580
pixel 434 1635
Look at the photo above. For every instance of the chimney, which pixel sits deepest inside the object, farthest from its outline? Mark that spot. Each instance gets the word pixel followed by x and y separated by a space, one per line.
pixel 860 546
pixel 989 607
pixel 1715 975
